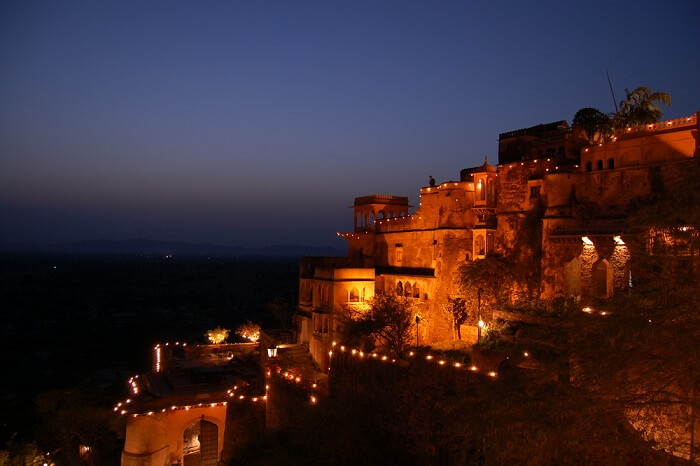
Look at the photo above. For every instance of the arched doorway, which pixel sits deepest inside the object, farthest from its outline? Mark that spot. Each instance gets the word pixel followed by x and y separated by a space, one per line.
pixel 602 279
pixel 201 444
pixel 572 276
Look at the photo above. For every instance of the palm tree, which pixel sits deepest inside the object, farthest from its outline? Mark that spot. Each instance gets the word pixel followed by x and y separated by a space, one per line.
pixel 640 107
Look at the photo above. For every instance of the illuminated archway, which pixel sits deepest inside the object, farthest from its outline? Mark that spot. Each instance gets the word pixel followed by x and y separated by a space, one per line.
pixel 200 446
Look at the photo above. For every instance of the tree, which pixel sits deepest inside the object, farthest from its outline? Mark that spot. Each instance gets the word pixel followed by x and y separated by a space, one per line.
pixel 640 107
pixel 249 331
pixel 494 275
pixel 280 308
pixel 217 335
pixel 75 418
pixel 456 307
pixel 597 125
pixel 389 320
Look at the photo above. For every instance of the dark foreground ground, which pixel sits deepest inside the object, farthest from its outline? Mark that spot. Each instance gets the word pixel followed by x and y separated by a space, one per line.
pixel 81 324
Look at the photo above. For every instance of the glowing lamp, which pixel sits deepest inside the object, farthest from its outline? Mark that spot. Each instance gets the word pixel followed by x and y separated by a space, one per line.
pixel 619 241
pixel 587 310
pixel 272 352
pixel 481 324
pixel 587 241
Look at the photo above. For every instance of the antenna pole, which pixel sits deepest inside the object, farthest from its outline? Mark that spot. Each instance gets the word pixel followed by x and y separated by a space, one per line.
pixel 611 90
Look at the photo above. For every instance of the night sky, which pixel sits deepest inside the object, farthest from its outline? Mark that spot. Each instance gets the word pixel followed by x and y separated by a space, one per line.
pixel 257 123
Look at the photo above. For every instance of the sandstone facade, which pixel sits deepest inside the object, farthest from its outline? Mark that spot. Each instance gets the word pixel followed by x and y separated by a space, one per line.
pixel 551 196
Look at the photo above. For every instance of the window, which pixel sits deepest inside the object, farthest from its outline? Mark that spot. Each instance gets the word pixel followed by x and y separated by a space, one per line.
pixel 435 249
pixel 589 166
pixel 611 163
pixel 479 247
pixel 398 250
pixel 600 165
pixel 534 192
pixel 354 295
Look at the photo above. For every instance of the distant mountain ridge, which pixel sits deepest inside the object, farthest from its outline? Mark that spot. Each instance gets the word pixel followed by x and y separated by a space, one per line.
pixel 141 246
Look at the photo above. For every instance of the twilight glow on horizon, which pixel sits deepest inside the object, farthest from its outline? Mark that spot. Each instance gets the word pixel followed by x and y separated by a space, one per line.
pixel 257 123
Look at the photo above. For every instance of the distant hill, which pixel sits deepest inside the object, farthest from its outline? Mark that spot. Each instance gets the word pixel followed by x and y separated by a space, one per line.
pixel 163 248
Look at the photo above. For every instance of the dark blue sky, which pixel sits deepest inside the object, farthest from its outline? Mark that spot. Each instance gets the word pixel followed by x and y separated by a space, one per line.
pixel 256 123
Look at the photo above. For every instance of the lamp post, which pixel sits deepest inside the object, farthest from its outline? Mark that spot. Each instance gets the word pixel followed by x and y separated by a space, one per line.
pixel 417 321
pixel 478 311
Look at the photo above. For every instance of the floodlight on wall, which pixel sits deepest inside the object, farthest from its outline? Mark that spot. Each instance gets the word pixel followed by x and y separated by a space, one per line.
pixel 587 241
pixel 619 241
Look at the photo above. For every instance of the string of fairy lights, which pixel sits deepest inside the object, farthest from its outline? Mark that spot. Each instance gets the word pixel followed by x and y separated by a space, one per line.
pixel 122 407
pixel 126 407
pixel 312 388
pixel 443 362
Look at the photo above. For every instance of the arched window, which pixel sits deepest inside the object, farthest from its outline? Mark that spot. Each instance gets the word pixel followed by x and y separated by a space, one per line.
pixel 589 166
pixel 482 190
pixel 399 289
pixel 407 289
pixel 611 163
pixel 416 291
pixel 600 164
pixel 354 295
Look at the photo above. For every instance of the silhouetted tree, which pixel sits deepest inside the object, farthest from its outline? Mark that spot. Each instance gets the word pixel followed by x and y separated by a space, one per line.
pixel 283 312
pixel 456 307
pixel 597 125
